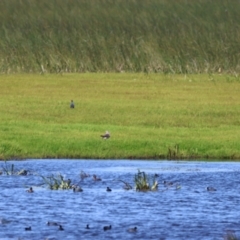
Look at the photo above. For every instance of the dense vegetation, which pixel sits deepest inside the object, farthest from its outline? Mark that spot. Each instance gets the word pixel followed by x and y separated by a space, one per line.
pixel 177 36
pixel 150 116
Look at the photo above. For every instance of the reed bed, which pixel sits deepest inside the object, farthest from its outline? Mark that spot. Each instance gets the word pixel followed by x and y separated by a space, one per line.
pixel 164 36
pixel 153 116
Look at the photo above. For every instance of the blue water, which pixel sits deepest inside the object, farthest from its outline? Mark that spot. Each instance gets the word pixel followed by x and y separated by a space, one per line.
pixel 187 213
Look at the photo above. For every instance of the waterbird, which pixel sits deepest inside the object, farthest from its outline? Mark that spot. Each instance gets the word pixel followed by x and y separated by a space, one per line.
pixel 30 190
pixel 132 229
pixel 108 189
pixel 77 189
pixel 106 135
pixel 211 189
pixel 105 228
pixel 167 183
pixel 28 229
pixel 84 175
pixel 52 224
pixel 95 178
pixel 60 228
pixel 87 226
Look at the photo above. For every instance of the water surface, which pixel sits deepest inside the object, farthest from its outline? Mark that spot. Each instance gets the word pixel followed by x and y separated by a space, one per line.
pixel 187 213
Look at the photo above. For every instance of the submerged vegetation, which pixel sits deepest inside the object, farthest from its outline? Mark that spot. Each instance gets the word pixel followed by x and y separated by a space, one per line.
pixel 9 169
pixel 164 36
pixel 143 183
pixel 57 182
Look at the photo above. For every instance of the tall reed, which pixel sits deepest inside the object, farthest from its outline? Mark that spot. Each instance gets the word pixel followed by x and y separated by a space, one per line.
pixel 181 36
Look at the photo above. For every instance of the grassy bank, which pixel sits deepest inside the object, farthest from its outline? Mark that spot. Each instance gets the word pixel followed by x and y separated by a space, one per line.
pixel 148 116
pixel 169 36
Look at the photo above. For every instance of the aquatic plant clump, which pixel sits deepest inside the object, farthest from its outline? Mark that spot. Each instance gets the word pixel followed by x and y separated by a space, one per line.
pixel 142 182
pixel 57 182
pixel 9 169
pixel 230 236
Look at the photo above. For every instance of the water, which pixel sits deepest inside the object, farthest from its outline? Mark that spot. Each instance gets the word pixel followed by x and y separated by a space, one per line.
pixel 187 213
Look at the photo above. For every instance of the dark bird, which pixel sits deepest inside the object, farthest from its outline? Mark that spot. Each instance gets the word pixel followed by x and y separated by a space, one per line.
pixel 30 190
pixel 106 135
pixel 52 224
pixel 211 189
pixel 60 228
pixel 84 175
pixel 108 189
pixel 72 105
pixel 95 178
pixel 167 183
pixel 77 189
pixel 28 229
pixel 87 226
pixel 132 229
pixel 105 228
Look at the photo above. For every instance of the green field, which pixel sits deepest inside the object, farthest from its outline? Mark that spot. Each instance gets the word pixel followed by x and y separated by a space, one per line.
pixel 166 36
pixel 149 116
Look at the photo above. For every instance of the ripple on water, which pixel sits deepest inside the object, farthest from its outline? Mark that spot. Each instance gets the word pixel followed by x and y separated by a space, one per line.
pixel 190 212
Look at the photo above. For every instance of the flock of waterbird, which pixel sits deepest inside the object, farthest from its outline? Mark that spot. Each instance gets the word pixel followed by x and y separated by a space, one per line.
pixel 60 227
pixel 108 189
pixel 79 189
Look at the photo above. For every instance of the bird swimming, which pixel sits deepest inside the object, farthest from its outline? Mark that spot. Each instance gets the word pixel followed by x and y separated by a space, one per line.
pixel 52 224
pixel 87 226
pixel 106 135
pixel 132 229
pixel 28 229
pixel 60 228
pixel 77 189
pixel 105 228
pixel 211 189
pixel 95 178
pixel 108 189
pixel 30 190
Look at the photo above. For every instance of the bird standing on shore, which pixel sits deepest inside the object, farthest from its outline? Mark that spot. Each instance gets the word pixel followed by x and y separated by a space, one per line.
pixel 106 135
pixel 72 104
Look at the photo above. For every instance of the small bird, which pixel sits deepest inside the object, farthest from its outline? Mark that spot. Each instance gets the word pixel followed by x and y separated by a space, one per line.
pixel 30 190
pixel 72 104
pixel 167 183
pixel 60 228
pixel 84 175
pixel 106 135
pixel 77 189
pixel 132 229
pixel 28 229
pixel 211 189
pixel 105 228
pixel 95 178
pixel 108 189
pixel 52 224
pixel 87 226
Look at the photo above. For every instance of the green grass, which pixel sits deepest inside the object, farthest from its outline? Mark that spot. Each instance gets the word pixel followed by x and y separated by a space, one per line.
pixel 170 36
pixel 148 115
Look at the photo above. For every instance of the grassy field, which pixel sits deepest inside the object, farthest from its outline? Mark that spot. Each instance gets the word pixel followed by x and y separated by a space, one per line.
pixel 151 116
pixel 166 36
